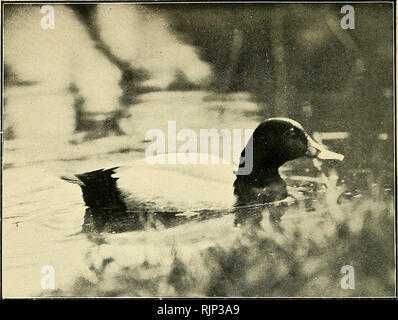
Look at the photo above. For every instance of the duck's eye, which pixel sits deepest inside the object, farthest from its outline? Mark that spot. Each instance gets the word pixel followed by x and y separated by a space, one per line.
pixel 291 132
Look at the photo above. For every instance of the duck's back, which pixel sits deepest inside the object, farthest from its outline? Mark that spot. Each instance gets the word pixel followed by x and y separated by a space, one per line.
pixel 174 186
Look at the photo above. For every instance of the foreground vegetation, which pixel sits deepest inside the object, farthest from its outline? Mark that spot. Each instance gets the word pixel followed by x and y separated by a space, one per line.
pixel 302 256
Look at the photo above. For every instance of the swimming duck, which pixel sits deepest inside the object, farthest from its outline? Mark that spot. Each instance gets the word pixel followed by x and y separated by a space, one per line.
pixel 149 192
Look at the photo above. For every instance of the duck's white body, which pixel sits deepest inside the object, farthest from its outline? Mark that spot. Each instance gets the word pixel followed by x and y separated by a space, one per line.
pixel 176 186
pixel 169 185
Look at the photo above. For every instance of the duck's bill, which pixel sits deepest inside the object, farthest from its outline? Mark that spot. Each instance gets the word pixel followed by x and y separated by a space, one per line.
pixel 316 150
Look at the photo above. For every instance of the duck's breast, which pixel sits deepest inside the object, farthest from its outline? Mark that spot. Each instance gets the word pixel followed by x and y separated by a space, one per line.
pixel 177 186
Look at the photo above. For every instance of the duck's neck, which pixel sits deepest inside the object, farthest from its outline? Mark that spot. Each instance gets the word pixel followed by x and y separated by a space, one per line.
pixel 252 188
pixel 260 177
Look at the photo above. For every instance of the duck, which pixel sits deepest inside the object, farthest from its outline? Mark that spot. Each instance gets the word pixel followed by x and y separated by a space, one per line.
pixel 150 193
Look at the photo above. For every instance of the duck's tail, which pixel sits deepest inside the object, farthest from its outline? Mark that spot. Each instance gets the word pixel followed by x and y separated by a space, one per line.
pixel 72 179
pixel 99 189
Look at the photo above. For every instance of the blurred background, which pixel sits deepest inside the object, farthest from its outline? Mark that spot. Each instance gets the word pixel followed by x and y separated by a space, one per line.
pixel 264 60
pixel 82 96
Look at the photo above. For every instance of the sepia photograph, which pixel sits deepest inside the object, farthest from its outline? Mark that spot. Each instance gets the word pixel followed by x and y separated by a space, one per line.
pixel 198 150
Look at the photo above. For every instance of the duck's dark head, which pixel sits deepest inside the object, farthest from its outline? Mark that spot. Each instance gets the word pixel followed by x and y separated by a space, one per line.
pixel 278 140
pixel 274 142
